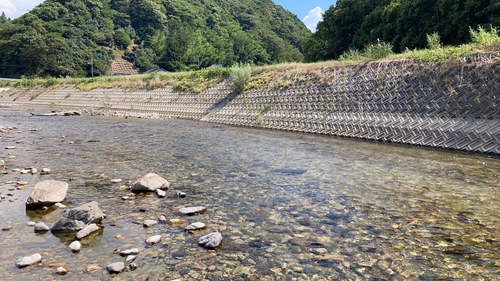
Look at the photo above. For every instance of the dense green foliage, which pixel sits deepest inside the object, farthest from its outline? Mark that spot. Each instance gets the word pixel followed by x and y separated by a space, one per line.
pixel 57 37
pixel 405 24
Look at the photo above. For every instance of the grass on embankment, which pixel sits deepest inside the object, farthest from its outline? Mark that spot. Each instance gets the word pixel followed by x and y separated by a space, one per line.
pixel 274 76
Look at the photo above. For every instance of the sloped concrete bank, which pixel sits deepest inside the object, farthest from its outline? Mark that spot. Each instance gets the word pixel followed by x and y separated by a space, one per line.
pixel 455 105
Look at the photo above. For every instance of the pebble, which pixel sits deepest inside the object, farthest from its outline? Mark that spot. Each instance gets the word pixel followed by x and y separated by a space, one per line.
pixel 116 180
pixel 7 228
pixel 134 251
pixel 22 183
pixel 181 194
pixel 41 227
pixel 45 171
pixel 115 267
pixel 162 219
pixel 75 246
pixel 133 266
pixel 196 226
pixel 119 236
pixel 211 240
pixel 57 264
pixel 59 205
pixel 25 261
pixel 161 193
pixel 61 270
pixel 34 171
pixel 16 170
pixel 130 258
pixel 153 239
pixel 31 223
pixel 11 157
pixel 148 223
pixel 319 251
pixel 25 172
pixel 10 147
pixel 193 210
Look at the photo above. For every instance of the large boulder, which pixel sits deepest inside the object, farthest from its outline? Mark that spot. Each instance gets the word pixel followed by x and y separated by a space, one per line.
pixel 150 182
pixel 46 193
pixel 77 218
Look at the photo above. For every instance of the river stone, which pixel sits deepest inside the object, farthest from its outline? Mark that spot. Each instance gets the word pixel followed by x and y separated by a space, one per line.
pixel 148 223
pixel 115 267
pixel 46 193
pixel 211 240
pixel 25 261
pixel 150 182
pixel 193 210
pixel 31 223
pixel 153 239
pixel 130 259
pixel 61 270
pixel 87 230
pixel 41 227
pixel 134 251
pixel 78 218
pixel 75 246
pixel 196 226
pixel 161 193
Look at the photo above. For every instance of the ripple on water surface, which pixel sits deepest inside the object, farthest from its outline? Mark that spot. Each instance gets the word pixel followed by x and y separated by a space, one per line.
pixel 288 205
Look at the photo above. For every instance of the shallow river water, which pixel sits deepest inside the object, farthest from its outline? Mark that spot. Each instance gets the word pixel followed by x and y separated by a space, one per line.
pixel 290 206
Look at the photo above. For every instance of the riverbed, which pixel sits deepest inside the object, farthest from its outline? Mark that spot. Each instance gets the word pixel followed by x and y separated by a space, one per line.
pixel 290 206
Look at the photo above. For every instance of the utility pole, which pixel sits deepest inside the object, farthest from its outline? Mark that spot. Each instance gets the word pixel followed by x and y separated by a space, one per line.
pixel 92 64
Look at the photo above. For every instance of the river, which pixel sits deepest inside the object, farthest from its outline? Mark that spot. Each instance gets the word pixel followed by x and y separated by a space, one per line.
pixel 290 206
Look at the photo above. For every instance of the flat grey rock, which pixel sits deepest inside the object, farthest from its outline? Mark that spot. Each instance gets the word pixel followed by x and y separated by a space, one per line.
pixel 148 223
pixel 115 267
pixel 41 227
pixel 130 258
pixel 211 240
pixel 25 261
pixel 75 246
pixel 134 251
pixel 150 182
pixel 46 193
pixel 196 226
pixel 78 218
pixel 153 239
pixel 193 210
pixel 87 230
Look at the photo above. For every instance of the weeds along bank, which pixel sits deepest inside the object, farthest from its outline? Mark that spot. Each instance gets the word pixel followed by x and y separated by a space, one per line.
pixel 450 105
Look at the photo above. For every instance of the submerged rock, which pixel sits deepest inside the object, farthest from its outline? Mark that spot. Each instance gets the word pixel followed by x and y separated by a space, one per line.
pixel 161 193
pixel 211 240
pixel 47 193
pixel 150 182
pixel 61 270
pixel 148 223
pixel 130 258
pixel 25 261
pixel 78 218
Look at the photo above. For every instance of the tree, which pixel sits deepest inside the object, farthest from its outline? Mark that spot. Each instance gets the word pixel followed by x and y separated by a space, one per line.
pixel 122 40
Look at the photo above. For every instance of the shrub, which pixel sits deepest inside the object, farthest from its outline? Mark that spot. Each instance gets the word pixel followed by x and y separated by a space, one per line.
pixel 481 36
pixel 378 51
pixel 239 76
pixel 351 54
pixel 51 82
pixel 52 104
pixel 433 41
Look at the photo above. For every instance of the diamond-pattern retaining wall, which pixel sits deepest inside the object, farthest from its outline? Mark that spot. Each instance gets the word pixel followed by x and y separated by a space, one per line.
pixel 455 105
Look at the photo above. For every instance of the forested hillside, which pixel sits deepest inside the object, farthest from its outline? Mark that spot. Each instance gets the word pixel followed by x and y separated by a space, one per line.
pixel 57 37
pixel 402 23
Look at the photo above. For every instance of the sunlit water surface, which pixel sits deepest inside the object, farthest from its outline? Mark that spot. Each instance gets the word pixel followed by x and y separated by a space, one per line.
pixel 290 206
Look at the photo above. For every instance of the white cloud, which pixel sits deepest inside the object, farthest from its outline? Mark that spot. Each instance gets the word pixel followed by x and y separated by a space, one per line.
pixel 311 20
pixel 7 7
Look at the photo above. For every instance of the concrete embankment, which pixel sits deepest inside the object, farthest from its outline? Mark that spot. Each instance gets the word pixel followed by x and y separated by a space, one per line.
pixel 454 105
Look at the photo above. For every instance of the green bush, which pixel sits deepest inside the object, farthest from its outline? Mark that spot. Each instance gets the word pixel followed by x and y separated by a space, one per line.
pixel 378 51
pixel 481 36
pixel 25 82
pixel 51 82
pixel 351 54
pixel 239 76
pixel 433 41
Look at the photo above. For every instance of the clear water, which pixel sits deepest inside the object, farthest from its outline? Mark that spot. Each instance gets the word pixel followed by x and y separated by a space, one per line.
pixel 290 206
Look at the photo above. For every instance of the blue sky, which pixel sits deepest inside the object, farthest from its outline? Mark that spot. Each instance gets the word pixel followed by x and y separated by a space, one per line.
pixel 307 11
